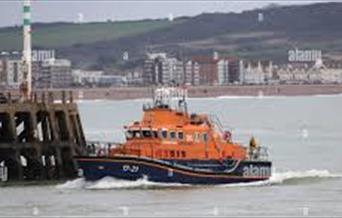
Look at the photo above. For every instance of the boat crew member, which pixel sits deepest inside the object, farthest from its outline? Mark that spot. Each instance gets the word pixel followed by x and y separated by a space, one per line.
pixel 227 136
pixel 253 148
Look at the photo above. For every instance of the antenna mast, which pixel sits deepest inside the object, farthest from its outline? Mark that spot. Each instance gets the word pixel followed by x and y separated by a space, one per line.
pixel 26 86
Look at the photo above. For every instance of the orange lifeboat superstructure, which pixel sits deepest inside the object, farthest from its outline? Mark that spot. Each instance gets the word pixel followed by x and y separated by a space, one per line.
pixel 192 148
pixel 165 133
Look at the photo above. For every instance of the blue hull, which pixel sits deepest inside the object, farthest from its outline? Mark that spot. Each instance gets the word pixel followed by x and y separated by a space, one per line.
pixel 167 171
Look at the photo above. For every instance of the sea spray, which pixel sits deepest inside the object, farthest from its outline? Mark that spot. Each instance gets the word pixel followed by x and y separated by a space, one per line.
pixel 72 184
pixel 112 183
pixel 278 178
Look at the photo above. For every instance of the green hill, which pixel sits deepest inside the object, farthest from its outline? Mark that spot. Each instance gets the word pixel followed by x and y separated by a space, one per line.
pixel 56 35
pixel 101 45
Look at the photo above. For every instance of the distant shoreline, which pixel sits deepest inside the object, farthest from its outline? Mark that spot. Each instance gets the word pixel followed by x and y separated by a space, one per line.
pixel 127 93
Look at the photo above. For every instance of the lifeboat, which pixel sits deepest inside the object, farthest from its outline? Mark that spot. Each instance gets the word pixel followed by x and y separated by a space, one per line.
pixel 171 145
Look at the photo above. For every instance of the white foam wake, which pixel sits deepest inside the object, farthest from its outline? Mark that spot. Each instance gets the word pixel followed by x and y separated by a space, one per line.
pixel 277 178
pixel 112 183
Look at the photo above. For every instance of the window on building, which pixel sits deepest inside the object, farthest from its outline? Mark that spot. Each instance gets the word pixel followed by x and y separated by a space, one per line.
pixel 172 154
pixel 178 154
pixel 15 70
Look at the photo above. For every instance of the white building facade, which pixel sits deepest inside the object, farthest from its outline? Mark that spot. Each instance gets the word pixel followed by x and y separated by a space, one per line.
pixel 14 73
pixel 223 71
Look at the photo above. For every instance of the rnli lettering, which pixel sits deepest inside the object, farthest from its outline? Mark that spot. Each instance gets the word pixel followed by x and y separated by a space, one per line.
pixel 130 168
pixel 252 170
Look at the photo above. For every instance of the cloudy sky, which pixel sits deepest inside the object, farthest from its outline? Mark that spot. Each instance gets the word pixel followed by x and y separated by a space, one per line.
pixel 101 10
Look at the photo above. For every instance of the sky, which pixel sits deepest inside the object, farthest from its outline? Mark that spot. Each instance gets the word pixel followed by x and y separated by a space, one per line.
pixel 102 10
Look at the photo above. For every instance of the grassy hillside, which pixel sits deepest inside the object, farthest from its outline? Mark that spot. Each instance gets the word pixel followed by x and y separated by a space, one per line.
pixel 98 45
pixel 69 34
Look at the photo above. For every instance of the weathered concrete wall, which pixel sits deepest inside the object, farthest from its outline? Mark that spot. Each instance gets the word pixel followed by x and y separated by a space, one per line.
pixel 39 138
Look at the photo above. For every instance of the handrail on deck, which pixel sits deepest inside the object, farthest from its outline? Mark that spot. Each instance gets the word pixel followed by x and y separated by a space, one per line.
pixel 258 153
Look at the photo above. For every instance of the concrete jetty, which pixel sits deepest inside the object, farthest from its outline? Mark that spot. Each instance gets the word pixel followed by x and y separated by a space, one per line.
pixel 39 137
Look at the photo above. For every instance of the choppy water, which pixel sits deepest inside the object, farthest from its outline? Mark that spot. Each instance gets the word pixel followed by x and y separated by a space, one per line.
pixel 303 135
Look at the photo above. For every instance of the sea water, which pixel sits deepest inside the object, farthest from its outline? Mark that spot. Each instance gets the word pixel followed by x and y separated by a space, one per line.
pixel 303 134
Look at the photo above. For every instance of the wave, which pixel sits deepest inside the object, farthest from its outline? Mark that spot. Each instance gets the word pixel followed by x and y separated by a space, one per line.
pixel 112 183
pixel 291 177
pixel 278 178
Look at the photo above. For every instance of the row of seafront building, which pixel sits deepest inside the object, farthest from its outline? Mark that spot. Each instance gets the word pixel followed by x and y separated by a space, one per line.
pixel 48 71
pixel 215 70
pixel 159 68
